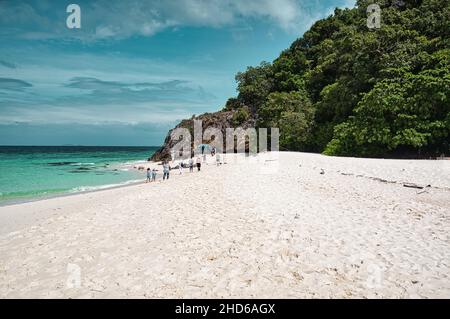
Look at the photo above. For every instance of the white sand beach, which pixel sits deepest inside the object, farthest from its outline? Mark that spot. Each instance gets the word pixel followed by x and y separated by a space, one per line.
pixel 297 226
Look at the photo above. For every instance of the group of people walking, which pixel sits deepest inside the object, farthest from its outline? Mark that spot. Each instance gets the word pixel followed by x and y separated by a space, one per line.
pixel 198 164
pixel 151 173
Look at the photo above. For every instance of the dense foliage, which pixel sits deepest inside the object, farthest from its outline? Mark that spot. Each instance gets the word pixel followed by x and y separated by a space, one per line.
pixel 345 89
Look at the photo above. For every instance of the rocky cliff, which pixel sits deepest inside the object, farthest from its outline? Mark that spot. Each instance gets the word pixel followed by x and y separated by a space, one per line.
pixel 221 120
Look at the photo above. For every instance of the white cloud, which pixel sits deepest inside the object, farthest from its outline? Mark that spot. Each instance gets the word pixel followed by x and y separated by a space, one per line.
pixel 284 12
pixel 121 19
pixel 149 17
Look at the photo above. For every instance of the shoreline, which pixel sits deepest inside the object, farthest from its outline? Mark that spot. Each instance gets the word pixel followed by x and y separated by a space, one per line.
pixel 100 188
pixel 95 188
pixel 34 173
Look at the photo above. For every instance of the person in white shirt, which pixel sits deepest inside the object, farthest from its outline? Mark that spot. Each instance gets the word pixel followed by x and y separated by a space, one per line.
pixel 199 163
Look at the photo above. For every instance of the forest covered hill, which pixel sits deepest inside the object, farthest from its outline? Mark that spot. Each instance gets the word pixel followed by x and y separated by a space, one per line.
pixel 348 90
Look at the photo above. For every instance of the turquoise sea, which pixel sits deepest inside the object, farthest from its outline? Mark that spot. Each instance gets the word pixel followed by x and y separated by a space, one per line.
pixel 29 172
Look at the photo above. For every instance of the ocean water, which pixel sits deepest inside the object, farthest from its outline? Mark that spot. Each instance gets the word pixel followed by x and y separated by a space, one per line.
pixel 28 172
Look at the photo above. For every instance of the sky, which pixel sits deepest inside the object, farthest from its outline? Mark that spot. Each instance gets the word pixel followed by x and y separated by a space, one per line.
pixel 134 68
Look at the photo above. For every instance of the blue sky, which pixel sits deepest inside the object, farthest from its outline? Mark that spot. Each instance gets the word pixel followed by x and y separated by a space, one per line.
pixel 135 68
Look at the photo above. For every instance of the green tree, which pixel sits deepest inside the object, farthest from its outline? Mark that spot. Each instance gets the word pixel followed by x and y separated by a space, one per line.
pixel 254 85
pixel 292 113
pixel 240 116
pixel 408 114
